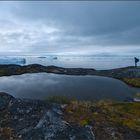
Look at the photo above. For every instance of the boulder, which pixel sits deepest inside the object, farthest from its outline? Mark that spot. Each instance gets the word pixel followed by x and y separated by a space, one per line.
pixel 5 100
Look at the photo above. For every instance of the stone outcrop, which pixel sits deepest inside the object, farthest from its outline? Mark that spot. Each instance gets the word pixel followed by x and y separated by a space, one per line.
pixel 127 72
pixel 38 120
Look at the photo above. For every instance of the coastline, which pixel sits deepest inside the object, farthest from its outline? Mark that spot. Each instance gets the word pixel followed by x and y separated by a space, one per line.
pixel 129 75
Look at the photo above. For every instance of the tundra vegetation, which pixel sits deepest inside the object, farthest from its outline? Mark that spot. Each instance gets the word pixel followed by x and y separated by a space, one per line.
pixel 99 112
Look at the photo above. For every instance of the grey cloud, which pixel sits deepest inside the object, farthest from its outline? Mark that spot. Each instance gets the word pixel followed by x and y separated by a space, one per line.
pixel 70 25
pixel 85 17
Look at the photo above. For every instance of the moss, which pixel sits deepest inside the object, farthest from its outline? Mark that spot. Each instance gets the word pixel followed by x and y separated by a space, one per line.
pixel 7 133
pixel 132 81
pixel 83 122
pixel 124 113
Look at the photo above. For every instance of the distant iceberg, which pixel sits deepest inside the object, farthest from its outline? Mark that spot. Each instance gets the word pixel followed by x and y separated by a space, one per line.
pixel 55 57
pixel 12 60
pixel 42 57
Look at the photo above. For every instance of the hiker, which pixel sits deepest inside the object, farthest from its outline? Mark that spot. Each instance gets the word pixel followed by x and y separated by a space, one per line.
pixel 136 61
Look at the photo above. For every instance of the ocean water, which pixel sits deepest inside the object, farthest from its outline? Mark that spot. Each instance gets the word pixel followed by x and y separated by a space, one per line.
pixel 72 61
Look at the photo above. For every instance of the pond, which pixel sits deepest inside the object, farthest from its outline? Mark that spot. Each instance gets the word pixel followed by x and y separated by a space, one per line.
pixel 42 85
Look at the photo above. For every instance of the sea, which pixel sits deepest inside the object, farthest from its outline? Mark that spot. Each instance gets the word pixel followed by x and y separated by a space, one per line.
pixel 72 61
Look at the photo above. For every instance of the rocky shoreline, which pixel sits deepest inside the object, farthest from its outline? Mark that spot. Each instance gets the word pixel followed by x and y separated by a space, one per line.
pixel 23 119
pixel 126 74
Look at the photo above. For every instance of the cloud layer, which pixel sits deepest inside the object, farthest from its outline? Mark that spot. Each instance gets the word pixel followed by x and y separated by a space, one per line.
pixel 69 27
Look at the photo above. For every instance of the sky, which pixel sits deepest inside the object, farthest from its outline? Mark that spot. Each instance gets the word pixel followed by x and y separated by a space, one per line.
pixel 70 27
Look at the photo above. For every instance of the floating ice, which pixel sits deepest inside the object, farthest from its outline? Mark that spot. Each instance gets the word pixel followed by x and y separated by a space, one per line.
pixel 12 60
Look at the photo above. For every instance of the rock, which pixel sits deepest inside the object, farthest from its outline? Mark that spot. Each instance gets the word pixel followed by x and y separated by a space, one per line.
pixel 136 99
pixel 5 100
pixel 118 73
pixel 39 120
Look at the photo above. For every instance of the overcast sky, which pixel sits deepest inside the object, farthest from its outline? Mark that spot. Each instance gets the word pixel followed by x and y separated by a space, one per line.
pixel 69 27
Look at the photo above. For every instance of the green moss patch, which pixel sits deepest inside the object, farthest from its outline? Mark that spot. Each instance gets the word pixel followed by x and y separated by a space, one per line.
pixel 126 114
pixel 132 81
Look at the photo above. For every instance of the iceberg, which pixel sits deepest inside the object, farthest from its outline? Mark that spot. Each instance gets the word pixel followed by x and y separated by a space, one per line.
pixel 12 60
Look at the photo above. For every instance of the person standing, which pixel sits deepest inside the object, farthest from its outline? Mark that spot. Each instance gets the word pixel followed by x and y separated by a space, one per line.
pixel 136 61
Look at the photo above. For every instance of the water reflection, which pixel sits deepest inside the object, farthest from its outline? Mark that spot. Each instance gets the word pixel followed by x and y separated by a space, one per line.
pixel 42 85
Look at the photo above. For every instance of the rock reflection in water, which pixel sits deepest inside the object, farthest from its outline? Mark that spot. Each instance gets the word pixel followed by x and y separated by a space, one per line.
pixel 42 85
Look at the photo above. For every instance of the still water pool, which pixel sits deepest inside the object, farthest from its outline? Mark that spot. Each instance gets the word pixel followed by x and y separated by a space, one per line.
pixel 42 85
